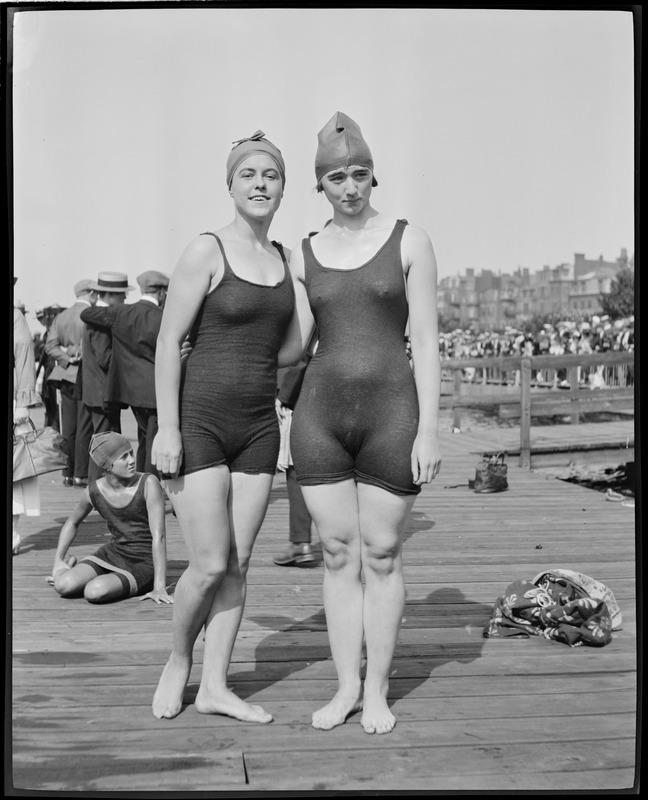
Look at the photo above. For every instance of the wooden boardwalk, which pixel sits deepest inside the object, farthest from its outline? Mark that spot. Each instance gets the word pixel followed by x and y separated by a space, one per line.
pixel 473 714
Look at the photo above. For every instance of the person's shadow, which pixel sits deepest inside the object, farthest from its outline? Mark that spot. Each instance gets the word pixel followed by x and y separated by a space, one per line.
pixel 93 532
pixel 281 654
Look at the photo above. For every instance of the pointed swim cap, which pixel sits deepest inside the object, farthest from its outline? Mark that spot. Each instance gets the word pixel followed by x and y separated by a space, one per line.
pixel 340 144
pixel 244 148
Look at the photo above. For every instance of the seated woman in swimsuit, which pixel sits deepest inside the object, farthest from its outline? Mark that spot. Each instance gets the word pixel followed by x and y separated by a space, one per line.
pixel 364 431
pixel 218 437
pixel 133 562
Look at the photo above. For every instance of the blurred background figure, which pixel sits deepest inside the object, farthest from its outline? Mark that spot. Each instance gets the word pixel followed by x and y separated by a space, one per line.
pixel 63 346
pixel 26 495
pixel 130 381
pixel 45 363
pixel 299 551
pixel 110 289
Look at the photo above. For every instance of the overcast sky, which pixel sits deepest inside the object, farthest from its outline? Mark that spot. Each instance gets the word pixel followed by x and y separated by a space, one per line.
pixel 507 135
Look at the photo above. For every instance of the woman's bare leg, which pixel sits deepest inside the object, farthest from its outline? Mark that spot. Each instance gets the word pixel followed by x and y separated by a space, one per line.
pixel 200 502
pixel 105 589
pixel 248 502
pixel 383 517
pixel 71 582
pixel 334 509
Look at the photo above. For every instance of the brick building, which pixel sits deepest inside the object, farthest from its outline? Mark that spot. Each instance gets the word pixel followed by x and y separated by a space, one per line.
pixel 490 301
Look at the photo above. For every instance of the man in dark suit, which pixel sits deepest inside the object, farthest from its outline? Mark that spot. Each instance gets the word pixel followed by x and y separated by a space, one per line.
pixel 63 344
pixel 45 364
pixel 111 289
pixel 134 330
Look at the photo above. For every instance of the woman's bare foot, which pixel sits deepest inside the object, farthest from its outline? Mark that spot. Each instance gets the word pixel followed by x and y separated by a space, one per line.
pixel 167 700
pixel 337 711
pixel 376 716
pixel 227 703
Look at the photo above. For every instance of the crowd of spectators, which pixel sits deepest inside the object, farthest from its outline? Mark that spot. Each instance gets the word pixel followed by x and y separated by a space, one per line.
pixel 598 334
pixel 595 335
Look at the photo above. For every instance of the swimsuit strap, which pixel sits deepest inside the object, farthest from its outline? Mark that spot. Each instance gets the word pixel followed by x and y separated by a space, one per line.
pixel 226 263
pixel 278 246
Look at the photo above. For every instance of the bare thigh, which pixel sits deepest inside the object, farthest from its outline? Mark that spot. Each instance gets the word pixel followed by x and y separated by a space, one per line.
pixel 200 501
pixel 382 518
pixel 249 498
pixel 334 510
pixel 73 581
pixel 104 588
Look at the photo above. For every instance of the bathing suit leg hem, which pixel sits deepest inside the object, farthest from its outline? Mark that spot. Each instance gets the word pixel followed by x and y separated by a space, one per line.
pixel 320 480
pixel 192 470
pixel 256 470
pixel 389 487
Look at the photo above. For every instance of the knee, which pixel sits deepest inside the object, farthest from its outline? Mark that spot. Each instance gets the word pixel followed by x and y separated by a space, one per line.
pixel 239 563
pixel 340 554
pixel 94 592
pixel 206 574
pixel 381 560
pixel 65 585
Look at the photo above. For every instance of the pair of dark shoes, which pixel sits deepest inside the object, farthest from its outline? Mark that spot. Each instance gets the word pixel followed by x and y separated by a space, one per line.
pixel 298 555
pixel 78 482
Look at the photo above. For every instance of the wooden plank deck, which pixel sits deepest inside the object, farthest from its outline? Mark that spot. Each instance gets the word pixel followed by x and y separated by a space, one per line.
pixel 473 714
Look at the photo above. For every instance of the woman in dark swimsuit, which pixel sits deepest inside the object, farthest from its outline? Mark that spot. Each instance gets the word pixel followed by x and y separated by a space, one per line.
pixel 218 437
pixel 364 432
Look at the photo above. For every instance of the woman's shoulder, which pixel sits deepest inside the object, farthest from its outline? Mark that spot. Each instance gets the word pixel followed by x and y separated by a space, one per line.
pixel 200 254
pixel 150 483
pixel 414 232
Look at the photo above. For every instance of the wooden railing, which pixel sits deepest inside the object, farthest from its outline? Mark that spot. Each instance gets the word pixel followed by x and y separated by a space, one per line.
pixel 528 386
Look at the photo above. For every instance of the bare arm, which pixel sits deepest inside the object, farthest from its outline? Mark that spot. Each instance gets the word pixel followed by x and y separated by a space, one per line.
pixel 302 324
pixel 155 507
pixel 70 529
pixel 199 264
pixel 420 261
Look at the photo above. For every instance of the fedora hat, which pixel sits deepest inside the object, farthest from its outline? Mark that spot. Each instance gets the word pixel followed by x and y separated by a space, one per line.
pixel 111 282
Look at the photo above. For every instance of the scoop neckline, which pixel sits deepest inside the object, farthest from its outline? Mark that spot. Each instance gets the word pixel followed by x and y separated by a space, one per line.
pixel 245 280
pixel 121 508
pixel 361 266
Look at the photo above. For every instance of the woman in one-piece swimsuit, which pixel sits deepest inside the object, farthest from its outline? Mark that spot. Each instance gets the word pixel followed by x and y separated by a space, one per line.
pixel 218 437
pixel 364 432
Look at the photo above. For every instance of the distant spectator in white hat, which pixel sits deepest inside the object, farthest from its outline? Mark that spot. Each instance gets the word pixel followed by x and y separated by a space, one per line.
pixel 130 381
pixel 111 289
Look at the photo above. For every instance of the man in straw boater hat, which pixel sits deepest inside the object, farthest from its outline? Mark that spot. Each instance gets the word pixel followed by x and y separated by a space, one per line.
pixel 134 330
pixel 110 289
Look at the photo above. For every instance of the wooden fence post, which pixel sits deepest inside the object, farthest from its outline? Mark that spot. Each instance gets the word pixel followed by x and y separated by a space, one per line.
pixel 456 391
pixel 525 413
pixel 572 373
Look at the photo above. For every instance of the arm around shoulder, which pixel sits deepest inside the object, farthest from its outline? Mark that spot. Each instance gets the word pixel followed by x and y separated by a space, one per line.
pixel 302 325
